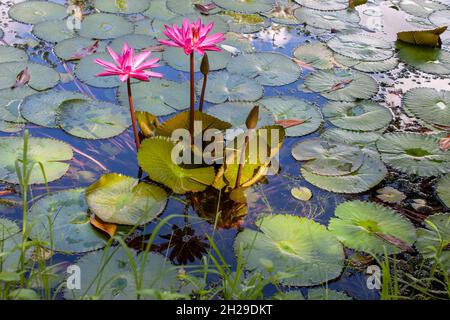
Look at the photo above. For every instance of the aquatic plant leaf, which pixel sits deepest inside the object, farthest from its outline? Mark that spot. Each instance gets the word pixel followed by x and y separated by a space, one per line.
pixel 119 199
pixel 220 22
pixel 11 252
pixel 301 193
pixel 41 76
pixel 77 48
pixel 159 96
pixel 390 195
pixel 429 105
pixel 325 5
pixel 443 190
pixel 371 173
pixel 283 13
pixel 342 85
pixel 300 247
pixel 86 71
pixel 307 115
pixel 33 12
pixel 313 294
pixel 53 31
pixel 12 54
pixel 63 217
pixel 316 55
pixel 176 58
pixel 8 228
pixel 187 7
pixel 41 108
pixel 92 119
pixel 414 153
pixel 357 223
pixel 358 116
pixel 11 127
pixel 430 38
pixel 440 17
pixel 158 10
pixel 10 104
pixel 109 228
pixel 105 26
pixel 435 239
pixel 138 42
pixel 366 66
pixel 269 69
pixel 155 158
pixel 420 8
pixel 147 123
pixel 122 6
pixel 222 86
pixel 426 59
pixel 248 6
pixel 245 23
pixel 238 42
pixel 51 153
pixel 330 20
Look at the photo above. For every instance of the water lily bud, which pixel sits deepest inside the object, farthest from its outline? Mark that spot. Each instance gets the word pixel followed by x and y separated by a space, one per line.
pixel 204 67
pixel 252 119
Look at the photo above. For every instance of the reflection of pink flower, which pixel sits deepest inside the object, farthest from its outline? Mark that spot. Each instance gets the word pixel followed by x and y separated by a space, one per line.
pixel 129 66
pixel 192 37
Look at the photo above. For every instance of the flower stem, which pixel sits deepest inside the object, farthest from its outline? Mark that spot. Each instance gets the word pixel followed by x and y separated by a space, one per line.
pixel 192 110
pixel 133 116
pixel 241 162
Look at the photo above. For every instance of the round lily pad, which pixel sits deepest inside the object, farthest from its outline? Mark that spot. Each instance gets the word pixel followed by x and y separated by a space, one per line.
pixel 77 48
pixel 11 54
pixel 316 55
pixel 51 153
pixel 420 8
pixel 33 12
pixel 371 228
pixel 359 116
pixel 186 7
pixel 324 4
pixel 390 195
pixel 176 58
pixel 343 85
pixel 361 47
pixel 41 108
pixel 119 199
pixel 155 158
pixel 158 10
pixel 122 6
pixel 247 6
pixel 307 115
pixel 239 42
pixel 330 20
pixel 246 23
pixel 414 153
pixel 105 26
pixel 367 66
pixel 283 13
pixel 371 173
pixel 429 105
pixel 153 28
pixel 222 86
pixel 11 127
pixel 41 77
pixel 86 71
pixel 426 59
pixel 61 220
pixel 53 31
pixel 362 139
pixel 269 69
pixel 159 96
pixel 297 246
pixel 443 189
pixel 10 103
pixel 92 119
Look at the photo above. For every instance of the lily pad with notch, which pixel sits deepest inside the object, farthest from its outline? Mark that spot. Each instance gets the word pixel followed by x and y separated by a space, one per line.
pixel 41 77
pixel 10 104
pixel 34 12
pixel 12 54
pixel 248 6
pixel 53 31
pixel 344 21
pixel 105 26
pixel 122 6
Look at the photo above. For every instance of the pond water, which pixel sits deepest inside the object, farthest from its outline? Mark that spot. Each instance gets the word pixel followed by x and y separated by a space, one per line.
pixel 93 158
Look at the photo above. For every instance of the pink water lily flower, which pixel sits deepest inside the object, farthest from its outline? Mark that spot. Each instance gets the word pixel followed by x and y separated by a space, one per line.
pixel 193 37
pixel 129 66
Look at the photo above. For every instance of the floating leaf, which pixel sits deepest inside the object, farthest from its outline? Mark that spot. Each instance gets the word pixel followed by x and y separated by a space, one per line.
pixel 246 23
pixel 10 104
pixel 176 58
pixel 366 66
pixel 269 69
pixel 187 7
pixel 316 55
pixel 330 20
pixel 238 42
pixel 147 123
pixel 53 31
pixel 248 6
pixel 328 5
pixel 158 10
pixel 77 48
pixel 430 38
pixel 41 77
pixel 390 195
pixel 105 26
pixel 92 119
pixel 426 59
pixel 119 199
pixel 11 54
pixel 301 193
pixel 283 13
pixel 371 228
pixel 11 127
pixel 414 153
pixel 443 189
pixel 86 71
pixel 420 8
pixel 125 7
pixel 33 12
pixel 155 158
pixel 61 221
pixel 300 247
pixel 109 228
pixel 49 152
pixel 313 294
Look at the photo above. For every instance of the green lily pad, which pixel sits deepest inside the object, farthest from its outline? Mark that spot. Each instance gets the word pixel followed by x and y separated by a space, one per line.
pixel 429 105
pixel 70 230
pixel 33 12
pixel 371 173
pixel 67 49
pixel 365 226
pixel 41 77
pixel 159 96
pixel 326 5
pixel 420 8
pixel 283 13
pixel 313 294
pixel 246 23
pixel 155 158
pixel 51 153
pixel 343 85
pixel 105 26
pixel 11 127
pixel 414 153
pixel 8 228
pixel 10 103
pixel 367 66
pixel 365 140
pixel 41 108
pixel 390 195
pixel 11 54
pixel 426 59
pixel 435 238
pixel 92 119
pixel 442 189
pixel 158 10
pixel 336 20
pixel 316 55
pixel 186 7
pixel 53 31
pixel 296 246
pixel 269 69
pixel 119 199
pixel 153 28
pixel 440 17
pixel 359 116
pixel 122 6
pixel 222 86
pixel 247 6
pixel 238 41
pixel 176 58
pixel 301 193
pixel 289 108
pixel 117 281
pixel 86 71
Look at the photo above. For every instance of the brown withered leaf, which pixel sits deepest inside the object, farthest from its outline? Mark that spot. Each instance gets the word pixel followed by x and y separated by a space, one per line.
pixel 303 65
pixel 444 143
pixel 108 228
pixel 86 51
pixel 430 38
pixel 352 4
pixel 395 241
pixel 22 78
